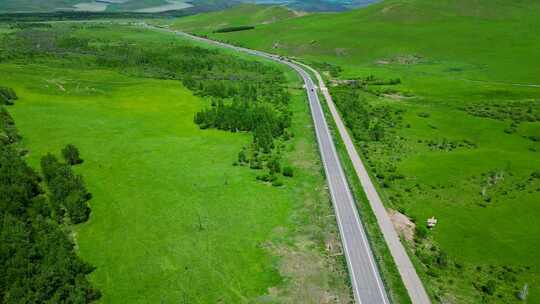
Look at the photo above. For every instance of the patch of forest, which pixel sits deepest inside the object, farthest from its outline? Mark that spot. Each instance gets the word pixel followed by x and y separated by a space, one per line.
pixel 38 260
pixel 245 96
pixel 515 112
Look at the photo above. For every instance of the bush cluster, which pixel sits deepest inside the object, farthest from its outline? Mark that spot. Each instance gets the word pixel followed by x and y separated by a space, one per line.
pixel 67 190
pixel 516 112
pixel 8 130
pixel 366 123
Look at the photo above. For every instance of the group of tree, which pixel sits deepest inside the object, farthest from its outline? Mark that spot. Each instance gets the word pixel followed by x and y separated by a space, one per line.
pixel 38 262
pixel 265 122
pixel 367 123
pixel 68 195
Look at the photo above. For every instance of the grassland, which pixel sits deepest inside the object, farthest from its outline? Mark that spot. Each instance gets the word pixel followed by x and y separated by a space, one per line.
pixel 468 72
pixel 147 6
pixel 242 15
pixel 172 220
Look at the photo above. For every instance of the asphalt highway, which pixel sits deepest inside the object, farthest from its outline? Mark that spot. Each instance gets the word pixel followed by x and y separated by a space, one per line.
pixel 366 282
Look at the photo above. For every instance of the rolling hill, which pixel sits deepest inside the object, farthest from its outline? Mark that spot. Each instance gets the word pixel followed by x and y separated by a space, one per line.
pixel 241 15
pixel 151 6
pixel 11 6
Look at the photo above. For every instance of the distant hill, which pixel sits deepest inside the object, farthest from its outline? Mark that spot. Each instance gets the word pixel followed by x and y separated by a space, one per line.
pixel 36 5
pixel 241 15
pixel 317 5
pixel 480 32
pixel 92 5
pixel 163 5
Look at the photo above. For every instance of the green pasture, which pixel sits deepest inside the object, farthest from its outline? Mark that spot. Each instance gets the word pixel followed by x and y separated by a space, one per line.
pixel 449 55
pixel 245 14
pixel 173 221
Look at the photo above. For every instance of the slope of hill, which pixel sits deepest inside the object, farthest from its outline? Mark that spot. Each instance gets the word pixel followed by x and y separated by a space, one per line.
pixel 92 5
pixel 452 93
pixel 162 5
pixel 474 31
pixel 317 5
pixel 36 5
pixel 245 14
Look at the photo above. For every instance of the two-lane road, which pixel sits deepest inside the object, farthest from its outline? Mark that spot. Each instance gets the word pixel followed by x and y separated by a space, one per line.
pixel 366 281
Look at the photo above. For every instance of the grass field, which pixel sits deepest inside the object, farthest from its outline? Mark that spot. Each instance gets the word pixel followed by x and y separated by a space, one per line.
pixel 242 15
pixel 468 70
pixel 172 220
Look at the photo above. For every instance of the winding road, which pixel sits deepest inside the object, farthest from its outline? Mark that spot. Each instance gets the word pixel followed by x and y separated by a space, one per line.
pixel 366 281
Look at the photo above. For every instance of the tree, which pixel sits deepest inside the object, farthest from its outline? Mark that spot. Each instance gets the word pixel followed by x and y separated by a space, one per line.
pixel 38 260
pixel 71 155
pixel 273 165
pixel 77 208
pixel 49 165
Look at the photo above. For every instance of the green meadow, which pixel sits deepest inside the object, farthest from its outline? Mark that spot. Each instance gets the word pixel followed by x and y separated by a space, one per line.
pixel 241 15
pixel 173 221
pixel 461 143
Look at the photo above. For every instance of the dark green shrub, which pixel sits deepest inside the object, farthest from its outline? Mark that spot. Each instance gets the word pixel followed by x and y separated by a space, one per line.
pixel 234 29
pixel 7 96
pixel 535 138
pixel 71 155
pixel 442 259
pixel 421 232
pixel 288 171
pixel 273 165
pixel 490 287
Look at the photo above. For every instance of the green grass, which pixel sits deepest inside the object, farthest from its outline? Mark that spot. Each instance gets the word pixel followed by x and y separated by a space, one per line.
pixel 242 15
pixel 462 53
pixel 172 220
